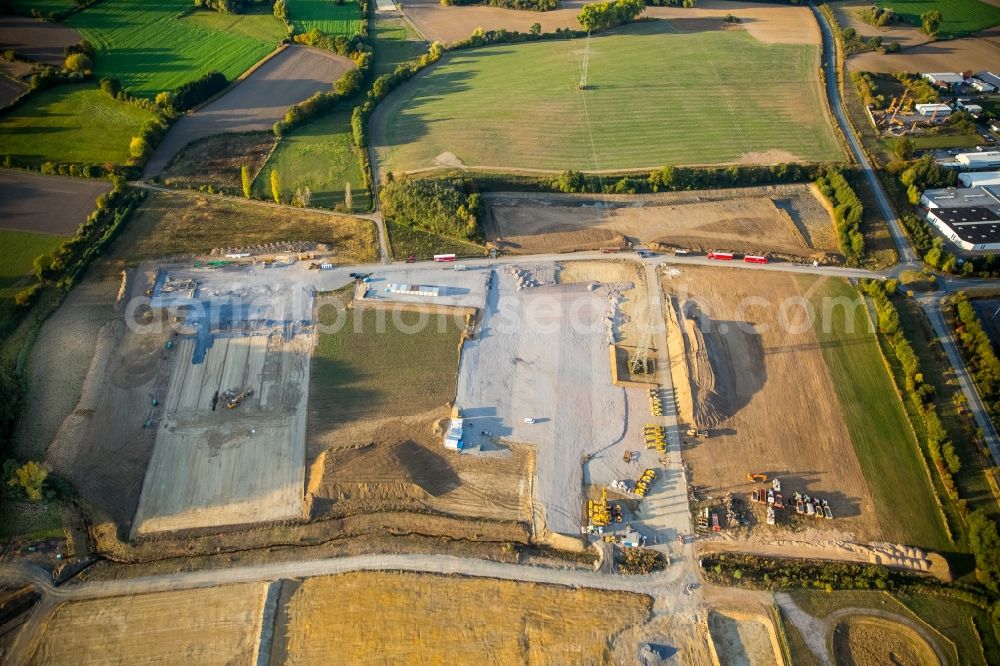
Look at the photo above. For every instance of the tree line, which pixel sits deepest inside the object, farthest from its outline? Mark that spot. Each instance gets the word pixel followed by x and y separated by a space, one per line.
pixel 441 207
pixel 606 15
pixel 847 214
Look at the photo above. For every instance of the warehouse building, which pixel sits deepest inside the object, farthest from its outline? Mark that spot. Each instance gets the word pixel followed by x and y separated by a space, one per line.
pixel 944 79
pixel 962 197
pixel 972 229
pixel 928 110
pixel 981 86
pixel 979 160
pixel 989 78
pixel 979 178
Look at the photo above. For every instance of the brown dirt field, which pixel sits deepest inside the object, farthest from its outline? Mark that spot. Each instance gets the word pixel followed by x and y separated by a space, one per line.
pixel 634 302
pixel 256 102
pixel 785 219
pixel 216 161
pixel 182 224
pixel 404 466
pixel 768 23
pixel 870 641
pixel 10 89
pixel 47 204
pixel 976 52
pixel 57 365
pixel 765 393
pixel 39 40
pixel 211 626
pixel 741 638
pixel 402 618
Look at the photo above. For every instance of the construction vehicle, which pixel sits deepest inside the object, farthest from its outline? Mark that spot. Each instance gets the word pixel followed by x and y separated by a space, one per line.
pixel 700 434
pixel 756 477
pixel 599 512
pixel 770 516
pixel 630 456
pixel 827 513
pixel 715 523
pixel 233 397
pixel 776 485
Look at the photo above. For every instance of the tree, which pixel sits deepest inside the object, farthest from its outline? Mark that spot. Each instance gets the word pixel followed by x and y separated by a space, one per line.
pixel 605 15
pixel 903 148
pixel 79 62
pixel 11 400
pixel 111 86
pixel 535 29
pixel 139 148
pixel 245 180
pixel 164 99
pixel 348 197
pixel 275 186
pixel 930 22
pixel 29 478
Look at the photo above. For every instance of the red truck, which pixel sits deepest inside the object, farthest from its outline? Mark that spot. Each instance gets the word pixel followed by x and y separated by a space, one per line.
pixel 724 256
pixel 444 257
pixel 755 259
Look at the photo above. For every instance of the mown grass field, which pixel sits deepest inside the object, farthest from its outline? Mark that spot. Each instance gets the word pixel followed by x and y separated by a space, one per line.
pixel 149 49
pixel 949 620
pixel 883 440
pixel 44 7
pixel 319 155
pixel 655 97
pixel 960 17
pixel 18 250
pixel 326 16
pixel 259 23
pixel 169 224
pixel 429 619
pixel 367 361
pixel 70 123
pixel 404 241
pixel 395 42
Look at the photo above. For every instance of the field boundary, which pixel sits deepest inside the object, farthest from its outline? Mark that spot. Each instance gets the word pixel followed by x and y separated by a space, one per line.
pixel 232 84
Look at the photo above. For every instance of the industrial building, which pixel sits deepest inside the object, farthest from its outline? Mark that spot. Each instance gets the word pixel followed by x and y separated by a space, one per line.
pixel 981 86
pixel 963 197
pixel 413 290
pixel 990 79
pixel 979 178
pixel 973 229
pixel 944 79
pixel 979 160
pixel 929 110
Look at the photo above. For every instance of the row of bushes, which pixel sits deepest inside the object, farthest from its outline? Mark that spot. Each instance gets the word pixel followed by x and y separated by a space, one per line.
pixel 441 207
pixel 531 5
pixel 978 350
pixel 847 214
pixel 606 15
pixel 193 93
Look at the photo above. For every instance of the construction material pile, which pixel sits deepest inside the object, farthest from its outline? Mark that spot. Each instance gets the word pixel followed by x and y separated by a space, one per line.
pixel 268 248
pixel 523 277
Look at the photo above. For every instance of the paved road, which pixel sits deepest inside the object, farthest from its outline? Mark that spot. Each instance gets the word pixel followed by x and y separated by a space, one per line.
pixel 932 306
pixel 906 253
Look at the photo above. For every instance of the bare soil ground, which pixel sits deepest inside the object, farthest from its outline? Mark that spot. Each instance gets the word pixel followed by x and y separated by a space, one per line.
pixel 46 204
pixel 784 219
pixel 484 621
pixel 769 23
pixel 58 363
pixel 743 639
pixel 183 224
pixel 39 40
pixel 216 161
pixel 633 304
pixel 756 378
pixel 975 52
pixel 256 102
pixel 10 89
pixel 209 626
pixel 215 466
pixel 871 641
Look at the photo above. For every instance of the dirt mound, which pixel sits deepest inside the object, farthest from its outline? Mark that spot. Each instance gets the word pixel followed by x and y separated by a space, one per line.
pixel 389 470
pixel 870 641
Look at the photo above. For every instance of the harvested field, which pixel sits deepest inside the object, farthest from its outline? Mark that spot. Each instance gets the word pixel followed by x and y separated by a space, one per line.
pixel 757 387
pixel 976 53
pixel 905 34
pixel 485 621
pixel 47 204
pixel 783 219
pixel 439 118
pixel 214 466
pixel 744 639
pixel 218 625
pixel 41 41
pixel 870 641
pixel 169 224
pixel 256 102
pixel 216 161
pixel 10 89
pixel 767 22
pixel 57 365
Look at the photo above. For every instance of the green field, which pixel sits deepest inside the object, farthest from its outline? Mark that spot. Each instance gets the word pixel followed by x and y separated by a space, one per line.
pixel 44 7
pixel 319 155
pixel 260 23
pixel 395 42
pixel 873 412
pixel 18 250
pixel 363 367
pixel 70 123
pixel 405 241
pixel 960 16
pixel 655 97
pixel 949 620
pixel 144 45
pixel 326 16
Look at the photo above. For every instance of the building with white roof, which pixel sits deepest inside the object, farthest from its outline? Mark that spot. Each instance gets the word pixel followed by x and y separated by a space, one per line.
pixel 979 160
pixel 979 178
pixel 972 229
pixel 944 79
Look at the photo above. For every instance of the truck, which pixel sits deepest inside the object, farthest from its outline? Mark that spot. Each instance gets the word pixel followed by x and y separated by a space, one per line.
pixel 610 250
pixel 700 434
pixel 326 267
pixel 755 259
pixel 722 256
pixel 444 257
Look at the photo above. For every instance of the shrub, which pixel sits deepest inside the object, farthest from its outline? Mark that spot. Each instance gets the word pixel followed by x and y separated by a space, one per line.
pixel 111 86
pixel 195 92
pixel 606 15
pixel 440 207
pixel 79 62
pixel 847 213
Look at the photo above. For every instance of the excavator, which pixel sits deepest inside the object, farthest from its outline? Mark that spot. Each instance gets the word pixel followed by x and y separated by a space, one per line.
pixel 233 398
pixel 755 478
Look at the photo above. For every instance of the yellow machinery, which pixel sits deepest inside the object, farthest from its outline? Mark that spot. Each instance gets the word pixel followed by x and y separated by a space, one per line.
pixel 754 478
pixel 599 513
